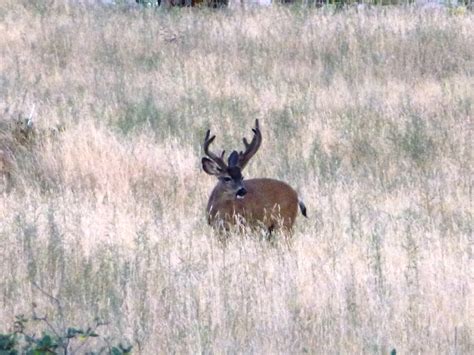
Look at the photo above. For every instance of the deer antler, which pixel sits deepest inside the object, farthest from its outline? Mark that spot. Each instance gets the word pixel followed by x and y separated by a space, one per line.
pixel 218 160
pixel 252 147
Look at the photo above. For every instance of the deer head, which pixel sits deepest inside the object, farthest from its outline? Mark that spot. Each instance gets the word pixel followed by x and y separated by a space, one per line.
pixel 230 174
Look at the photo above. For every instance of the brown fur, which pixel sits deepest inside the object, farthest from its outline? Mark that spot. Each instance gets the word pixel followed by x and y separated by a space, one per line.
pixel 269 202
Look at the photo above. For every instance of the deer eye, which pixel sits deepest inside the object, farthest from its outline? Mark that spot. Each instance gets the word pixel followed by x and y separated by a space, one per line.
pixel 226 179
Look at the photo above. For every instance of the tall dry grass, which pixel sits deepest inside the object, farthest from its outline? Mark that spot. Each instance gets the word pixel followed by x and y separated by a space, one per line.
pixel 367 114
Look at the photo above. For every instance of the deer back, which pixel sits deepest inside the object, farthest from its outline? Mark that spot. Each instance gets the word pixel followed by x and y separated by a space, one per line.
pixel 268 201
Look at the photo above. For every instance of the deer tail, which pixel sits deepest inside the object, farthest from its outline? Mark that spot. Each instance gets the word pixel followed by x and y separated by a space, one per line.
pixel 302 208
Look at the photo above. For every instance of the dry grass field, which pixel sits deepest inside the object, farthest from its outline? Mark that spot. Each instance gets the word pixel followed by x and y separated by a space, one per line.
pixel 368 115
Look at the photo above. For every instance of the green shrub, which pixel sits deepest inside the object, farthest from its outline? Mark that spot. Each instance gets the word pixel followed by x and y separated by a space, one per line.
pixel 54 341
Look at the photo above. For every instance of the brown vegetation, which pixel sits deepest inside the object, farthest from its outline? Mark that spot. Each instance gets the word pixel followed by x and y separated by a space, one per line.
pixel 368 114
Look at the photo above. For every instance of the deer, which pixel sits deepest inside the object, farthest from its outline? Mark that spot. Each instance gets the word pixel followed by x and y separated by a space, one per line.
pixel 259 202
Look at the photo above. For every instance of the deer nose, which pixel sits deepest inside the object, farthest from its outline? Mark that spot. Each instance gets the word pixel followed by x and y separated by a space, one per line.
pixel 241 192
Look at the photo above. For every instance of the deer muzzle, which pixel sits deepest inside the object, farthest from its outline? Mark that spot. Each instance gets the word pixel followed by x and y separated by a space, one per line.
pixel 241 193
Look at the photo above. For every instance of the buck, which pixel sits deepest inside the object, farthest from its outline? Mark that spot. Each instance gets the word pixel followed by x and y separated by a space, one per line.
pixel 255 202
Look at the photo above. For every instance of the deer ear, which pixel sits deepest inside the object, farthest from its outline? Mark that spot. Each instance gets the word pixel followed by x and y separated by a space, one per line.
pixel 210 167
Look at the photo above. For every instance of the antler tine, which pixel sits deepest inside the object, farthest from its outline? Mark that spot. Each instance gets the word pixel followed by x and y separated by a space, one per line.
pixel 218 160
pixel 252 147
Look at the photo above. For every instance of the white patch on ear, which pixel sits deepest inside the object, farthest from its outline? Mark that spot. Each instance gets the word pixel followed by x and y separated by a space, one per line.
pixel 210 167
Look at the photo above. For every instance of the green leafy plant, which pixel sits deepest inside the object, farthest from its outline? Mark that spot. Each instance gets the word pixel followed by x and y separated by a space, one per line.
pixel 55 340
pixel 51 341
